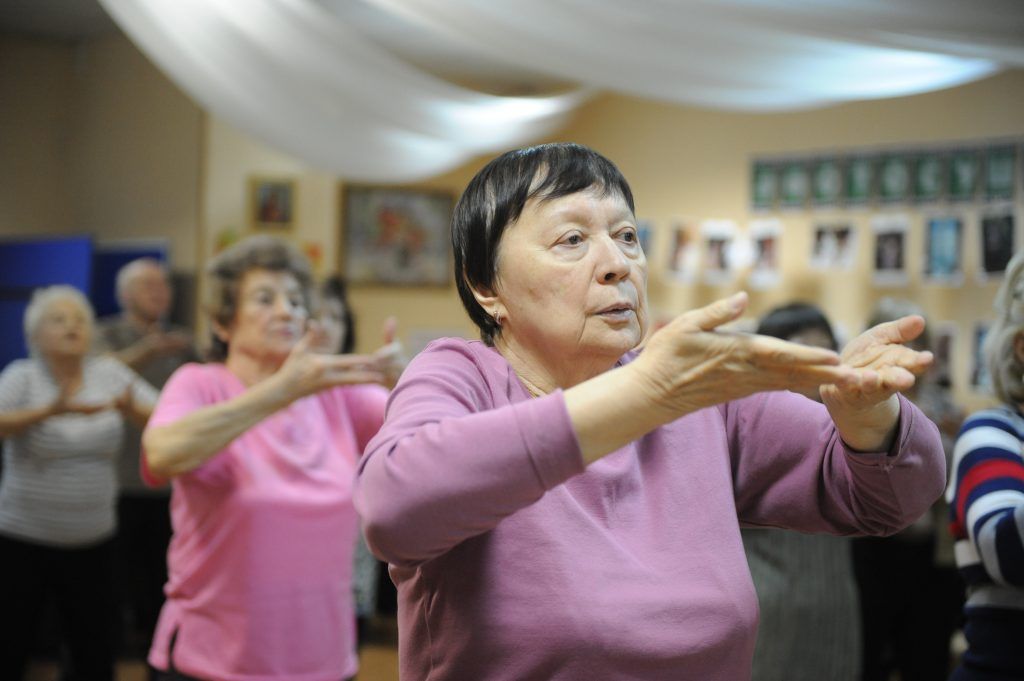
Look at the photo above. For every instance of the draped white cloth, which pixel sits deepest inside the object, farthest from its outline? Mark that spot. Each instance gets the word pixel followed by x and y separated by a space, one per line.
pixel 300 75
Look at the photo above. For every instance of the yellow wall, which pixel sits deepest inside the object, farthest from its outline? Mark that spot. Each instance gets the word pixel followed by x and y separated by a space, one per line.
pixel 689 163
pixel 94 139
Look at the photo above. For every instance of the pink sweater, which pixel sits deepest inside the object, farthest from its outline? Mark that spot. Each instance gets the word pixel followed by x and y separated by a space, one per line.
pixel 261 559
pixel 513 562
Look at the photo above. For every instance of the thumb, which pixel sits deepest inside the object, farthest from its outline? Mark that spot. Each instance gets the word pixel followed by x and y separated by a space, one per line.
pixel 711 316
pixel 390 330
pixel 307 340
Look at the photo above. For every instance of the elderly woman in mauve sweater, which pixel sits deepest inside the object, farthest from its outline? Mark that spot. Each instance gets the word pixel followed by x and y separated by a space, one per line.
pixel 555 504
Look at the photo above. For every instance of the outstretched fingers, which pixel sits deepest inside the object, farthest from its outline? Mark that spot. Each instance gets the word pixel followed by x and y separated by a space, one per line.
pixel 710 317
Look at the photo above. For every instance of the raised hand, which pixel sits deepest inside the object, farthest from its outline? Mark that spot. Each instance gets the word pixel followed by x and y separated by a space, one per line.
pixel 867 412
pixel 390 356
pixel 689 364
pixel 64 404
pixel 886 365
pixel 306 371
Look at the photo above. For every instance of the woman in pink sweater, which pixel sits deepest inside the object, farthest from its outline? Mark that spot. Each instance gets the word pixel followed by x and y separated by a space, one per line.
pixel 261 452
pixel 556 505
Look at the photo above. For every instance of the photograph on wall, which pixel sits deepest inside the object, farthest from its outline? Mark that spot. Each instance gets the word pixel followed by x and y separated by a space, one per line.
pixel 943 248
pixel 826 182
pixel 764 185
pixel 1000 173
pixel 981 380
pixel 271 204
pixel 396 236
pixel 764 236
pixel 943 346
pixel 794 185
pixel 834 246
pixel 684 255
pixel 962 179
pixel 890 254
pixel 859 180
pixel 998 243
pixel 928 172
pixel 894 178
pixel 717 237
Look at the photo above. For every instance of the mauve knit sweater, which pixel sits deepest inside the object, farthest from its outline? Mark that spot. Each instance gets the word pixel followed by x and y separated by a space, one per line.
pixel 514 562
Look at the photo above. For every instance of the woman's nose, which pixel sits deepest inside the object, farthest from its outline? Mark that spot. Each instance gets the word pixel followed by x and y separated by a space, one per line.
pixel 614 264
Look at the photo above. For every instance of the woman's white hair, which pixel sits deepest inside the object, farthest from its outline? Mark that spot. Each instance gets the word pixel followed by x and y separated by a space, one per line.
pixel 998 351
pixel 42 298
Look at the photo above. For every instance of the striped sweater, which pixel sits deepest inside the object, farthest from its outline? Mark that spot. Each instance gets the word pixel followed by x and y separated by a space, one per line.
pixel 986 498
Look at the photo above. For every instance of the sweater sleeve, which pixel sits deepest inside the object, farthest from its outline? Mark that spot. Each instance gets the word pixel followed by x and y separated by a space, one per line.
pixel 987 496
pixel 792 470
pixel 452 460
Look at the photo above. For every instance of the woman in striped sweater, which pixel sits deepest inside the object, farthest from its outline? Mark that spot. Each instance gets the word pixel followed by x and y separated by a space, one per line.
pixel 986 495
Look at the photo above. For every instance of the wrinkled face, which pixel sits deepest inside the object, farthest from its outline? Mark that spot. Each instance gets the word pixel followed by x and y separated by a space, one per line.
pixel 571 279
pixel 64 329
pixel 331 316
pixel 148 294
pixel 270 316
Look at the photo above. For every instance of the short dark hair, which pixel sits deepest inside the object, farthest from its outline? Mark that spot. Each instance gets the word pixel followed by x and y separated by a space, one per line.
pixel 226 271
pixel 334 287
pixel 787 321
pixel 495 198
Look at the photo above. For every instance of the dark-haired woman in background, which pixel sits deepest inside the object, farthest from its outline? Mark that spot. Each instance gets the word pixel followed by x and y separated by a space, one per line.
pixel 810 621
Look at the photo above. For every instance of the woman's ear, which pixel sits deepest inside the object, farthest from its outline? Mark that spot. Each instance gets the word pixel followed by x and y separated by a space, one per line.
pixel 221 332
pixel 490 301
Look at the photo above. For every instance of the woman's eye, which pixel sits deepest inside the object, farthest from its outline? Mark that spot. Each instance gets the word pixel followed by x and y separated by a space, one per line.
pixel 629 236
pixel 574 239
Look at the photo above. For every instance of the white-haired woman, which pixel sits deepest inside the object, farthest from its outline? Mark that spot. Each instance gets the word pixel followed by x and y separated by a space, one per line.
pixel 986 497
pixel 61 420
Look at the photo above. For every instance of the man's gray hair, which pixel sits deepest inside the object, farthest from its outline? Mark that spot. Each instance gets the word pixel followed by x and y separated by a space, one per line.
pixel 41 299
pixel 999 353
pixel 127 274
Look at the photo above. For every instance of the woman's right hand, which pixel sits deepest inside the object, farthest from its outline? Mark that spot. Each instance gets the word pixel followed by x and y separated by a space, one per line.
pixel 306 371
pixel 688 364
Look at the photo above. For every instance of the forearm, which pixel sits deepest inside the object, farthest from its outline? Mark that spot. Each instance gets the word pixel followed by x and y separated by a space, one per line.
pixel 184 445
pixel 868 430
pixel 16 422
pixel 612 410
pixel 135 355
pixel 138 414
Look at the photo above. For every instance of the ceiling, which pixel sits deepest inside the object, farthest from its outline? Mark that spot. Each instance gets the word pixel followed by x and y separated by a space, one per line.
pixel 73 20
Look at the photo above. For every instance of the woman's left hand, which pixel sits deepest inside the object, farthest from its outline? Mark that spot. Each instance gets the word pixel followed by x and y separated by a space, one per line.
pixel 390 356
pixel 867 412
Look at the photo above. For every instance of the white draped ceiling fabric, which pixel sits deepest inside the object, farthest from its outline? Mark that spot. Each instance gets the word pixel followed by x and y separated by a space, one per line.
pixel 299 76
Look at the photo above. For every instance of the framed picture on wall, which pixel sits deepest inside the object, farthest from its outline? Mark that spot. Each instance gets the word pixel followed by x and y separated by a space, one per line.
pixel 834 246
pixel 998 243
pixel 860 178
pixel 826 181
pixel 718 237
pixel 395 235
pixel 928 171
pixel 1000 173
pixel 764 185
pixel 890 256
pixel 894 178
pixel 271 203
pixel 764 238
pixel 684 256
pixel 981 380
pixel 944 237
pixel 943 346
pixel 794 184
pixel 962 179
